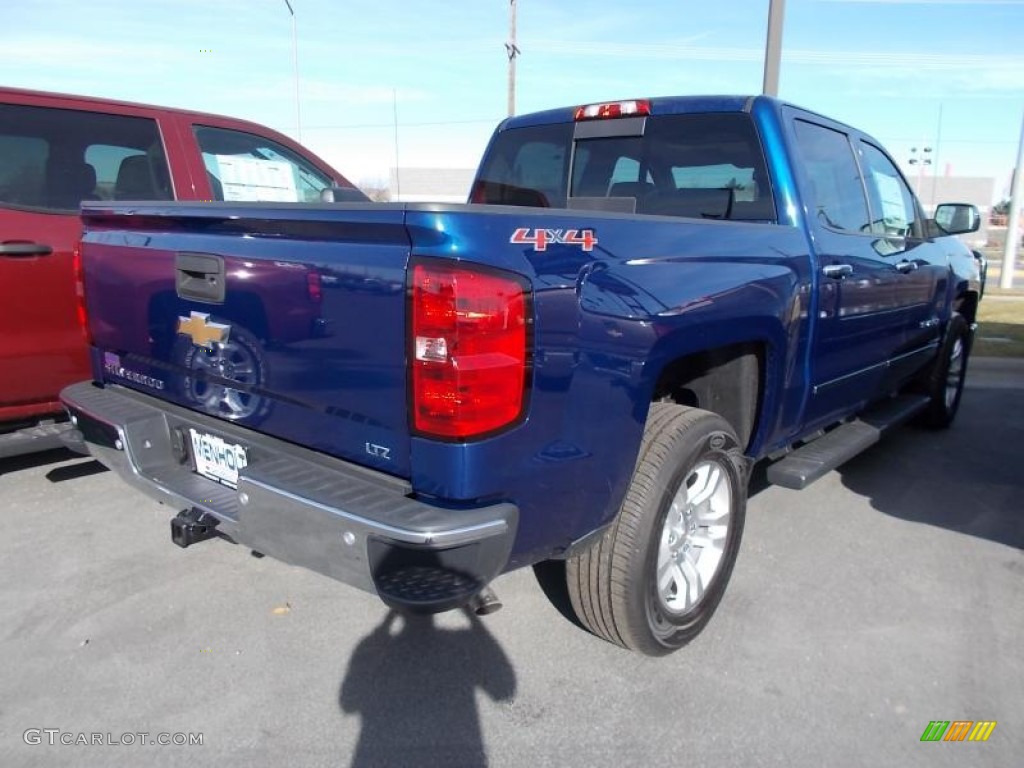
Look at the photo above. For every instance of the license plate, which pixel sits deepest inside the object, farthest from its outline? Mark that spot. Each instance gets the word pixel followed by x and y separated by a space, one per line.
pixel 216 458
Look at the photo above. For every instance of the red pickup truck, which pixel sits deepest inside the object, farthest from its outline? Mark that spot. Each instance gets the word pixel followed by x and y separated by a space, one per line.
pixel 58 150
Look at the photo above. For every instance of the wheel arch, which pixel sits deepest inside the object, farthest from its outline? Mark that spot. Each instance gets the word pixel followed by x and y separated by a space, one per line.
pixel 966 304
pixel 728 380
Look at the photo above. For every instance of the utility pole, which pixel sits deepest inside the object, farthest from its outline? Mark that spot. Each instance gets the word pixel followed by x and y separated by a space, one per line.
pixel 513 52
pixel 295 61
pixel 938 147
pixel 1013 224
pixel 773 47
pixel 398 171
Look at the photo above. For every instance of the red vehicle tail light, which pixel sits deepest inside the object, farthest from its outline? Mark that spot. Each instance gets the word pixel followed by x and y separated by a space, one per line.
pixel 79 277
pixel 313 286
pixel 469 350
pixel 614 109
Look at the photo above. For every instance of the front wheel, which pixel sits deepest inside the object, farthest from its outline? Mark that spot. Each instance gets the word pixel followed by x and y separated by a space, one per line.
pixel 945 383
pixel 653 581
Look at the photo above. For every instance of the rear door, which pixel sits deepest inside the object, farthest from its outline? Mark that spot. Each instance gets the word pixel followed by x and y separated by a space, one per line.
pixel 50 160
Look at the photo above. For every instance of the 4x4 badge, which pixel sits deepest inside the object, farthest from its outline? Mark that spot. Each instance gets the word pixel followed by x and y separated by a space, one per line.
pixel 202 332
pixel 540 239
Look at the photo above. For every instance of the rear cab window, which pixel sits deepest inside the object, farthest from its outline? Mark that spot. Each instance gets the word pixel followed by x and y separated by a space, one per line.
pixel 52 159
pixel 245 167
pixel 691 165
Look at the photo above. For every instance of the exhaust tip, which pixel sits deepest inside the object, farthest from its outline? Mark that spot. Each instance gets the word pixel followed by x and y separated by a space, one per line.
pixel 485 602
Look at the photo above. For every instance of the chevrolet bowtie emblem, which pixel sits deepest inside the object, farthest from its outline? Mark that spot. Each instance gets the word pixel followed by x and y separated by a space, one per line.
pixel 202 332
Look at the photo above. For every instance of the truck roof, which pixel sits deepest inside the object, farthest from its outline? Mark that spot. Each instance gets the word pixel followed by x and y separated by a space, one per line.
pixel 660 105
pixel 72 101
pixel 674 105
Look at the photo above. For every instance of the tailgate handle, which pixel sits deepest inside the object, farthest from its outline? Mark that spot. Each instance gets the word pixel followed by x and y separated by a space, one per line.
pixel 200 277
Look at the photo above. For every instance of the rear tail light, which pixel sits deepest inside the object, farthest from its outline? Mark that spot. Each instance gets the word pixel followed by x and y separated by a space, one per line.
pixel 614 109
pixel 79 277
pixel 469 350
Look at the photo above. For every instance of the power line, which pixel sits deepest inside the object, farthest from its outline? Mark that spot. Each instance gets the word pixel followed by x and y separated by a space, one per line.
pixel 487 121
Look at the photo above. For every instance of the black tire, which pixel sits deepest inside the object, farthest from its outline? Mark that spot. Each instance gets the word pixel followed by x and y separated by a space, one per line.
pixel 613 586
pixel 944 384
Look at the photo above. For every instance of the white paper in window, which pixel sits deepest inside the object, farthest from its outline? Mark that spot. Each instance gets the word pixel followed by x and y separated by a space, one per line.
pixel 248 179
pixel 894 213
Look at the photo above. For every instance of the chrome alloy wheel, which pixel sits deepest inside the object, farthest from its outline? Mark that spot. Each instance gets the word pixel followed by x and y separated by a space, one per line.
pixel 693 537
pixel 955 372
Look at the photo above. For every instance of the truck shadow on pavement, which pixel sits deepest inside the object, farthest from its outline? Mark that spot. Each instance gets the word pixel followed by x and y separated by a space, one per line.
pixel 57 474
pixel 968 478
pixel 413 684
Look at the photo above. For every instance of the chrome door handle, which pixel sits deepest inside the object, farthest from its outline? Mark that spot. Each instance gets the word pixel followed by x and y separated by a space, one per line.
pixel 906 266
pixel 837 271
pixel 24 249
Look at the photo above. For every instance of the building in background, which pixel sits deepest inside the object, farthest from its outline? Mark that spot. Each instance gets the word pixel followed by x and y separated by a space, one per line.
pixel 431 185
pixel 977 190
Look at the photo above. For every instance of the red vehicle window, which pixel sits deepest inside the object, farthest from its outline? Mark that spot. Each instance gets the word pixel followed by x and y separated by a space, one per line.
pixel 246 167
pixel 53 159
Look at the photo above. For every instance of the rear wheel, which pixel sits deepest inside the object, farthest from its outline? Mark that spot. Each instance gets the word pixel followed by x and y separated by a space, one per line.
pixel 945 383
pixel 653 581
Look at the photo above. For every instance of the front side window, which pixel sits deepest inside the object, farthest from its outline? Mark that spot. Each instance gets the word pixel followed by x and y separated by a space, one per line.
pixel 893 212
pixel 53 159
pixel 244 167
pixel 835 184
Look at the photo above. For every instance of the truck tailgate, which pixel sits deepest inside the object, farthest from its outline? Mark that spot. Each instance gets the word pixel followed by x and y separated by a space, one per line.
pixel 289 320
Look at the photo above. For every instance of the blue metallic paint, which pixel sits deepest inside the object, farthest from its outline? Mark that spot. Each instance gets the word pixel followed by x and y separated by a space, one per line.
pixel 606 323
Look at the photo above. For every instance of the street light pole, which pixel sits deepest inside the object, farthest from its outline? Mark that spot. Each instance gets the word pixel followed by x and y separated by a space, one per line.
pixel 295 61
pixel 1013 223
pixel 921 162
pixel 773 47
pixel 513 51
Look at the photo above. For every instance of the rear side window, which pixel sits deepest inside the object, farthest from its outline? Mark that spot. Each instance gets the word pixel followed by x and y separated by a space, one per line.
pixel 53 159
pixel 835 182
pixel 245 167
pixel 699 166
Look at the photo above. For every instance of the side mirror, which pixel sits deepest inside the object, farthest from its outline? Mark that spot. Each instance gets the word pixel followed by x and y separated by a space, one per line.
pixel 957 218
pixel 343 195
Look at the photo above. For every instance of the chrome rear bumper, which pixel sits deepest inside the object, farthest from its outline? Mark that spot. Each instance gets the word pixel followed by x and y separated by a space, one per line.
pixel 347 522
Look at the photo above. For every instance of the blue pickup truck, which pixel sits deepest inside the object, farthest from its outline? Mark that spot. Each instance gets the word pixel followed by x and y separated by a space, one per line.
pixel 642 299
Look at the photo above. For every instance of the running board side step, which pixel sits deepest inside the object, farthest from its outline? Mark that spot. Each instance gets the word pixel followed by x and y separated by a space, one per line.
pixel 809 462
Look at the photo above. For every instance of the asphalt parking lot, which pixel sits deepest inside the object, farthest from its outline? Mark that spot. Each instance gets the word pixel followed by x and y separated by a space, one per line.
pixel 887 595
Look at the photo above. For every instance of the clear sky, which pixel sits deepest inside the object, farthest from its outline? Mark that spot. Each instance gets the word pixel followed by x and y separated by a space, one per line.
pixel 948 74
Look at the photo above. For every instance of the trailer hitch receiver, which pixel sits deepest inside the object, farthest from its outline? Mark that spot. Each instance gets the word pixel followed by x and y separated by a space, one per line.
pixel 192 526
